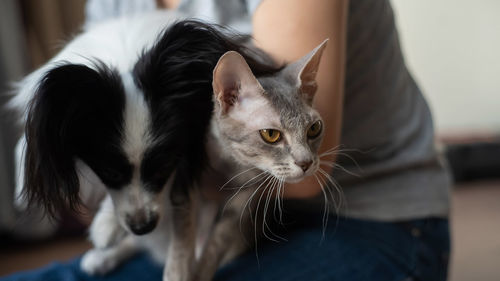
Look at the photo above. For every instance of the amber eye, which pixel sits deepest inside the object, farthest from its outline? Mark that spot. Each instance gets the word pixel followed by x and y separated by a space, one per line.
pixel 270 135
pixel 314 130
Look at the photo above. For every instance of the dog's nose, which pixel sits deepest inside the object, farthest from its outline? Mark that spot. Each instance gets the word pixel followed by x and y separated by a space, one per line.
pixel 304 165
pixel 142 223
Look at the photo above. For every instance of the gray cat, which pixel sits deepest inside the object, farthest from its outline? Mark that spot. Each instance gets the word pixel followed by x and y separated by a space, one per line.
pixel 266 132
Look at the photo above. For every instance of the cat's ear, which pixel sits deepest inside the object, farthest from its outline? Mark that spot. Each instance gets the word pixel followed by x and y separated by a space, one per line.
pixel 233 81
pixel 305 70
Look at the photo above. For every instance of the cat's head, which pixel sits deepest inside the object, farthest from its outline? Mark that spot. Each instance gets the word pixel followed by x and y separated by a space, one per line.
pixel 269 122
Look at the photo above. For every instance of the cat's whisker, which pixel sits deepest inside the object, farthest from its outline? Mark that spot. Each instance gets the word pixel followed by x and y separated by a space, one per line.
pixel 334 202
pixel 255 178
pixel 253 220
pixel 335 148
pixel 274 189
pixel 257 213
pixel 281 194
pixel 337 187
pixel 250 180
pixel 277 200
pixel 339 192
pixel 248 203
pixel 340 149
pixel 269 194
pixel 342 153
pixel 336 165
pixel 333 152
pixel 270 176
pixel 275 192
pixel 250 198
pixel 237 175
pixel 263 215
pixel 328 188
pixel 327 163
pixel 326 208
pixel 239 189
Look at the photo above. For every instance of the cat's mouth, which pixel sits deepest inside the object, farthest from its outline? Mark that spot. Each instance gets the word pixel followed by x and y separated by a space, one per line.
pixel 292 174
pixel 290 178
pixel 298 178
pixel 295 178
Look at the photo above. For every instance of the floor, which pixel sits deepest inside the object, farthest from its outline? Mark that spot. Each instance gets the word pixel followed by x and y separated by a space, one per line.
pixel 34 256
pixel 475 228
pixel 476 232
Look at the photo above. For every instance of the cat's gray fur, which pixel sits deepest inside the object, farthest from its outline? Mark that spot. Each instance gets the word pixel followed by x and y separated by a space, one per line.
pixel 285 102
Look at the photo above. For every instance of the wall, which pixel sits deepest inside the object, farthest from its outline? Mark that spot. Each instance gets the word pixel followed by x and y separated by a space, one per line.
pixel 452 48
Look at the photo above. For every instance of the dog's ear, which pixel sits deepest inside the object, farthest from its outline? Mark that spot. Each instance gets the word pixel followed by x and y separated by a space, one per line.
pixel 63 122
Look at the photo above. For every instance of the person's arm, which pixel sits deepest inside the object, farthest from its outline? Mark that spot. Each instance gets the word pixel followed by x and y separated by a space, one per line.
pixel 288 29
pixel 168 4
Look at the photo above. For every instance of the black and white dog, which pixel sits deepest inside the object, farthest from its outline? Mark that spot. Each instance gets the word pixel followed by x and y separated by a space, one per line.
pixel 122 113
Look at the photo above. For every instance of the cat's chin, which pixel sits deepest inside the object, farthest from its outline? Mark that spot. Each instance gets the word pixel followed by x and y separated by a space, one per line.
pixel 299 178
pixel 294 179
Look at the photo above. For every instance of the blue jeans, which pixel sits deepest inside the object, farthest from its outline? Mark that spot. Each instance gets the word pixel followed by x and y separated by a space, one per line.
pixel 351 250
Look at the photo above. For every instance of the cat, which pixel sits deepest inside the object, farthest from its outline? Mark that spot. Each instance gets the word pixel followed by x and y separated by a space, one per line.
pixel 265 131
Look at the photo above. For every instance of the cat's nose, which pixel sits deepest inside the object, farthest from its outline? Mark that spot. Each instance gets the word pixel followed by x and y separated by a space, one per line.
pixel 304 165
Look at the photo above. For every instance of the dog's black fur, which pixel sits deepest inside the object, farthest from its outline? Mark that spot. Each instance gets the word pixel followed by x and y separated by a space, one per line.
pixel 77 112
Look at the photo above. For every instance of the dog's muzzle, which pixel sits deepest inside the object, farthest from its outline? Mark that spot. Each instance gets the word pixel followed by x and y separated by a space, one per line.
pixel 142 222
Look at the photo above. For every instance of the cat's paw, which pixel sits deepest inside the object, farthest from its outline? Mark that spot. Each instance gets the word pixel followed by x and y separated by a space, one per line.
pixel 98 262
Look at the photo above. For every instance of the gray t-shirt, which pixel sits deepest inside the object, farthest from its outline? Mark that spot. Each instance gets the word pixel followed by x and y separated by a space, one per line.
pixel 387 130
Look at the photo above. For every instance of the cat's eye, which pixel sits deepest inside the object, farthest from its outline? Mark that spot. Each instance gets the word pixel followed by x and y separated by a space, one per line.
pixel 315 130
pixel 270 135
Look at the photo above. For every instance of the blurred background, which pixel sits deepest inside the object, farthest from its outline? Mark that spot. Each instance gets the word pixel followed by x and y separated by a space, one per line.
pixel 452 49
pixel 452 46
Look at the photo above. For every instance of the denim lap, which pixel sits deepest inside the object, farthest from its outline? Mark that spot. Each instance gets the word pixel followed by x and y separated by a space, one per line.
pixel 351 250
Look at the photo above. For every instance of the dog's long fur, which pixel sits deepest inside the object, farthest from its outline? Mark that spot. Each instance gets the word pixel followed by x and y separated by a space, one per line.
pixel 125 108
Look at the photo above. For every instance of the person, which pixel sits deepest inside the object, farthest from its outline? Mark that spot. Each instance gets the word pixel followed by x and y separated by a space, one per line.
pixel 393 222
